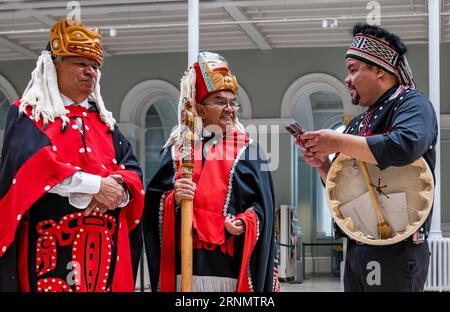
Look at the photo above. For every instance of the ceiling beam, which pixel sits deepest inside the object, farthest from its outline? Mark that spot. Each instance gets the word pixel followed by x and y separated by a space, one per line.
pixel 108 7
pixel 162 5
pixel 249 29
pixel 16 47
pixel 50 22
pixel 44 19
pixel 58 8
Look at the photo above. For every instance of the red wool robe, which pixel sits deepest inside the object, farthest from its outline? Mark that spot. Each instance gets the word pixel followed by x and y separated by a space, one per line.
pixel 210 209
pixel 49 243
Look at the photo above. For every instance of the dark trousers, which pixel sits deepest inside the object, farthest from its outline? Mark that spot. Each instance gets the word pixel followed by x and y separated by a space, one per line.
pixel 398 267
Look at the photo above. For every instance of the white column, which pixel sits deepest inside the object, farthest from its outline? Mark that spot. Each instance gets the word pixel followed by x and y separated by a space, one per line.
pixel 434 36
pixel 193 31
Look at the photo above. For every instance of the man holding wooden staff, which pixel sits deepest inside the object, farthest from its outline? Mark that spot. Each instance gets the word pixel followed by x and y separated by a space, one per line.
pixel 398 127
pixel 220 176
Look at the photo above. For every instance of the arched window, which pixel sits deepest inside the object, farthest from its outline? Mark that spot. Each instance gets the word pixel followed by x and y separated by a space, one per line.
pixel 324 222
pixel 7 95
pixel 4 107
pixel 159 122
pixel 316 101
pixel 147 114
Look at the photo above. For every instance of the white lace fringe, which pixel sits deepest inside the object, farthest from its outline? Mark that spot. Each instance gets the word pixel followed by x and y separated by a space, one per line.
pixel 210 283
pixel 42 95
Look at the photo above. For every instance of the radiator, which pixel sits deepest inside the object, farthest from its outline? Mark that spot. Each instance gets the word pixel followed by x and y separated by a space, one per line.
pixel 439 269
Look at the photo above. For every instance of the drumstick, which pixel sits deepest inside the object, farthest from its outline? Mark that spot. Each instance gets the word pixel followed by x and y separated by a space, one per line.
pixel 384 229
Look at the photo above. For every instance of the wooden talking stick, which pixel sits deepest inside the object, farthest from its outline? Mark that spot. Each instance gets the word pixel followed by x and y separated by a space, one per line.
pixel 187 168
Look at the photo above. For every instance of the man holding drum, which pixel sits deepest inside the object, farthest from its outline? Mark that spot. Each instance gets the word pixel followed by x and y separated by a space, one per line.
pixel 398 127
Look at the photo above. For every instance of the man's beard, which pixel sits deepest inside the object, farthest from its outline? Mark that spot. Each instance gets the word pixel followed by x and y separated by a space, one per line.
pixel 355 99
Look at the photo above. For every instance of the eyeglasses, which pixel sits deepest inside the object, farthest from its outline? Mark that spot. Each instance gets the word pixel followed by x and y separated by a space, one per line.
pixel 223 104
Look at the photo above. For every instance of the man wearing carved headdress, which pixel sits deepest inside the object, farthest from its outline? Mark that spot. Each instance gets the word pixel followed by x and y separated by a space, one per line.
pixel 71 194
pixel 231 189
pixel 398 127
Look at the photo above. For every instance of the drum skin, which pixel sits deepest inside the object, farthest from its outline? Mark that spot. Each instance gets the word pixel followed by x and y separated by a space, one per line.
pixel 345 183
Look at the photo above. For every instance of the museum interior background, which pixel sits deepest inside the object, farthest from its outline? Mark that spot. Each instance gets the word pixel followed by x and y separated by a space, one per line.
pixel 288 57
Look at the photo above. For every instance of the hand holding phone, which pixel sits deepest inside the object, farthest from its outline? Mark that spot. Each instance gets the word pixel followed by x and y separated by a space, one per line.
pixel 296 130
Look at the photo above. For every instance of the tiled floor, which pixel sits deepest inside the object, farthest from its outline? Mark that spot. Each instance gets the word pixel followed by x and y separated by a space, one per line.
pixel 316 283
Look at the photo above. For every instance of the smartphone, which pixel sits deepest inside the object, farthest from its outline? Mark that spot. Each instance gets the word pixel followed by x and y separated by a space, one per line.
pixel 296 130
